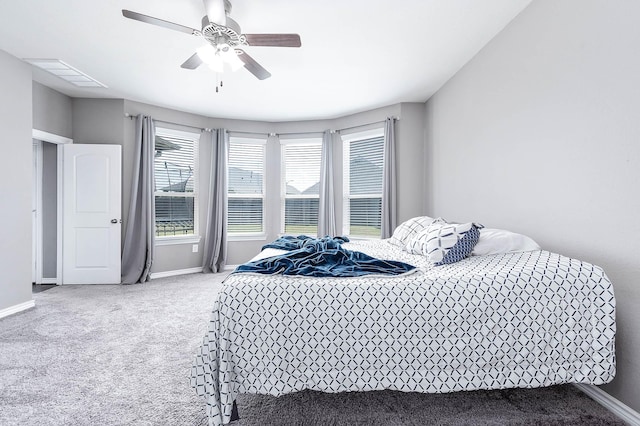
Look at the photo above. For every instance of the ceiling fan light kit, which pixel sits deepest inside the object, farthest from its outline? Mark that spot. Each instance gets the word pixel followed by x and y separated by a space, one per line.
pixel 217 57
pixel 224 39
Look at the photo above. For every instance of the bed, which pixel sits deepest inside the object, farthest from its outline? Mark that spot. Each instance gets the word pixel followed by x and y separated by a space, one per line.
pixel 516 319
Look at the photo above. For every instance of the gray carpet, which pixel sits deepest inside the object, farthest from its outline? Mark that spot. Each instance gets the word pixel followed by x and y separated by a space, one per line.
pixel 120 355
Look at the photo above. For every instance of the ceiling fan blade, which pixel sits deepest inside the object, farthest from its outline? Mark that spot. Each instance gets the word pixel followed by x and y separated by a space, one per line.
pixel 215 11
pixel 192 63
pixel 252 66
pixel 276 40
pixel 159 22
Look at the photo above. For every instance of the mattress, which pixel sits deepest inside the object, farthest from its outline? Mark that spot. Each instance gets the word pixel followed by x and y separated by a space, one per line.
pixel 527 319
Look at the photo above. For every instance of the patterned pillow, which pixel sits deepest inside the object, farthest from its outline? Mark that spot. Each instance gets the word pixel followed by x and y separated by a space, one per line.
pixel 414 244
pixel 406 230
pixel 445 243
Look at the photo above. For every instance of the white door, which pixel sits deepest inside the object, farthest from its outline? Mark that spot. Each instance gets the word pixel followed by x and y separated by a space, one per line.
pixel 91 214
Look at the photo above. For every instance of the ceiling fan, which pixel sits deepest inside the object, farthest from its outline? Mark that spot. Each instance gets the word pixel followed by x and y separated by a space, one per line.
pixel 224 39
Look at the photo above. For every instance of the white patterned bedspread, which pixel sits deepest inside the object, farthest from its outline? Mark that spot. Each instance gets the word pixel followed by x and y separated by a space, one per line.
pixel 527 319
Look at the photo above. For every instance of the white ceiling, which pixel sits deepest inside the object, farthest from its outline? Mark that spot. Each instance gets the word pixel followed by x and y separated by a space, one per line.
pixel 356 55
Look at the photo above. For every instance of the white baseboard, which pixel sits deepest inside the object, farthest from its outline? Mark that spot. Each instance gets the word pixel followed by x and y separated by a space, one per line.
pixel 626 413
pixel 17 308
pixel 49 281
pixel 165 274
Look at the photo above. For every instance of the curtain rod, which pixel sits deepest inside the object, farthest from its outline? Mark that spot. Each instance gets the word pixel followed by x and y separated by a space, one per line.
pixel 240 132
pixel 296 133
pixel 205 129
pixel 202 129
pixel 366 124
pixel 332 131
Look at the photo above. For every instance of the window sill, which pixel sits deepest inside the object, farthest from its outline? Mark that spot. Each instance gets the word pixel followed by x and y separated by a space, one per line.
pixel 170 241
pixel 362 238
pixel 246 237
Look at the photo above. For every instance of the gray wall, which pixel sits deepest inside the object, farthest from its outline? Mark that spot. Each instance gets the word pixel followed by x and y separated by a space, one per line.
pixel 99 121
pixel 409 160
pixel 539 134
pixel 15 186
pixel 52 111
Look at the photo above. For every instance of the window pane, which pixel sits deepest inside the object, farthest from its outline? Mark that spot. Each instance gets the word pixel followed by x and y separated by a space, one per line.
pixel 245 215
pixel 175 173
pixel 301 216
pixel 246 185
pixel 174 164
pixel 366 163
pixel 301 185
pixel 365 216
pixel 174 216
pixel 246 168
pixel 302 168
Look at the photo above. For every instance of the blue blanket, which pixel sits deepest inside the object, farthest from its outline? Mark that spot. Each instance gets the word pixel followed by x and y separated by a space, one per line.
pixel 322 257
pixel 290 242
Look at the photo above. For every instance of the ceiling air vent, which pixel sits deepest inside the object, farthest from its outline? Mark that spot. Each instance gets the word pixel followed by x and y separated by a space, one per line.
pixel 65 72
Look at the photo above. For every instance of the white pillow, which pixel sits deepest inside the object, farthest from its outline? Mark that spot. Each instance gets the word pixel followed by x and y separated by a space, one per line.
pixel 496 241
pixel 406 230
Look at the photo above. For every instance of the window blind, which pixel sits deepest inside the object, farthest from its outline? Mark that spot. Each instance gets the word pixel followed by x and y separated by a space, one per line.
pixel 301 185
pixel 246 185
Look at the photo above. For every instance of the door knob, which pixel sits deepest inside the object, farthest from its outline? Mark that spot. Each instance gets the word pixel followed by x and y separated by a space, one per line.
pixel 114 220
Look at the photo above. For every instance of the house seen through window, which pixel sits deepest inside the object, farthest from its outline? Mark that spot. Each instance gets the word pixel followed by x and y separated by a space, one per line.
pixel 175 175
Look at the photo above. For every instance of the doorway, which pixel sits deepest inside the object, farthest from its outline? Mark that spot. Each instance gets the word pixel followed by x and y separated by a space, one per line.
pixel 44 213
pixel 76 234
pixel 46 208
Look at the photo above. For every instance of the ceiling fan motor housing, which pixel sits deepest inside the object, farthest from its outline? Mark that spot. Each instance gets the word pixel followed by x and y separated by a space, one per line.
pixel 231 34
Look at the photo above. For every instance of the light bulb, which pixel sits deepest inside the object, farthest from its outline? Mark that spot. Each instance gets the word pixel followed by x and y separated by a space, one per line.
pixel 233 60
pixel 217 63
pixel 207 53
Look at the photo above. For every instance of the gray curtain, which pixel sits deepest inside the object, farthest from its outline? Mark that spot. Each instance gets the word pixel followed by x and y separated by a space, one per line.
pixel 215 239
pixel 389 203
pixel 139 237
pixel 327 207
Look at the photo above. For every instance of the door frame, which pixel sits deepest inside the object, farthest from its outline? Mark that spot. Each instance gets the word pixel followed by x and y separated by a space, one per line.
pixel 42 136
pixel 36 207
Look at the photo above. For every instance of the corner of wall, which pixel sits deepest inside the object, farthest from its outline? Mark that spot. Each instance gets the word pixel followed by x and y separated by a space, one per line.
pixel 16 121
